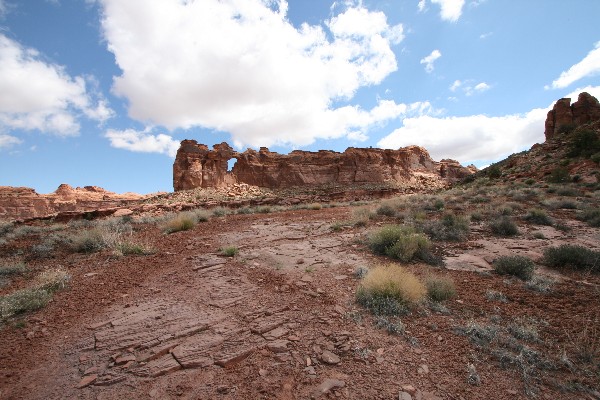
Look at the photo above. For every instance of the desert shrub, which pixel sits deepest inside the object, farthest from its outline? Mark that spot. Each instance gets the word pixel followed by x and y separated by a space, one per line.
pixel 12 269
pixel 539 217
pixel 36 297
pixel 481 335
pixel 264 209
pixel 567 191
pixel 401 242
pixel 202 215
pixel 229 251
pixel 529 181
pixel 393 328
pixel 540 283
pixel 22 301
pixel 386 210
pixel 494 295
pixel 389 290
pixel 219 211
pixel 130 248
pixel 493 172
pixel 440 288
pixel 566 128
pixel 572 256
pixel 451 227
pixel 476 216
pixel 519 266
pixel 559 175
pixel 595 158
pixel 591 216
pixel 585 144
pixel 42 250
pixel 538 235
pixel 181 222
pixel 504 226
pixel 5 227
pixel 361 272
pixel 87 241
pixel 52 280
pixel 315 206
pixel 524 329
pixel 361 216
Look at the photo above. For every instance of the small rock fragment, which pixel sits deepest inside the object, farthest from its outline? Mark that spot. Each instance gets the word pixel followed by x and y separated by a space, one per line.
pixel 87 381
pixel 329 358
pixel 327 386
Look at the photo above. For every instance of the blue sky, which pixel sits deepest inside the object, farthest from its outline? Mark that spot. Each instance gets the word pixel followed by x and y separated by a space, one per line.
pixel 101 92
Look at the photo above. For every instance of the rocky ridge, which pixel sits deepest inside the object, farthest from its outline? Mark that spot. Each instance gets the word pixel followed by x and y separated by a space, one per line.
pixel 196 166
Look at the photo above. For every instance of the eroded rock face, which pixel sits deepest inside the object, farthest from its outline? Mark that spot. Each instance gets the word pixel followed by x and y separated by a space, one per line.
pixel 23 203
pixel 196 166
pixel 586 109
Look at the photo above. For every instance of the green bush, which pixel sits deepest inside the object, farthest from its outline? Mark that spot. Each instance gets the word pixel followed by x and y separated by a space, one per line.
pixel 451 228
pixel 519 266
pixel 229 251
pixel 440 288
pixel 504 226
pixel 591 216
pixel 585 144
pixel 402 243
pixel 493 172
pixel 559 175
pixel 572 256
pixel 539 217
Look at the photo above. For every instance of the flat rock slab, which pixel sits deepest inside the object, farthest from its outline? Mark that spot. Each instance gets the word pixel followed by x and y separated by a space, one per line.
pixel 195 352
pixel 266 324
pixel 158 367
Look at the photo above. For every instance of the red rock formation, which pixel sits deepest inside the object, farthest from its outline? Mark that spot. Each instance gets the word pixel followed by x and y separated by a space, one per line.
pixel 586 109
pixel 23 203
pixel 196 166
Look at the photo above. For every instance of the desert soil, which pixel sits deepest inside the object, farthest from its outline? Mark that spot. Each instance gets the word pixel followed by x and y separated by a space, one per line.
pixel 280 321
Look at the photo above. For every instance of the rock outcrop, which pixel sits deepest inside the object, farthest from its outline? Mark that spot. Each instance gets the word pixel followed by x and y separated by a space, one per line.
pixel 586 109
pixel 23 202
pixel 197 166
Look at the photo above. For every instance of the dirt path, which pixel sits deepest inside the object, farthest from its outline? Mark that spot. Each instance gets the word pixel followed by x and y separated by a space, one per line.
pixel 278 321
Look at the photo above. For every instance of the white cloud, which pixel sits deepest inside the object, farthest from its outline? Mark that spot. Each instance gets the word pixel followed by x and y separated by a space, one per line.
pixel 455 85
pixel 485 35
pixel 589 66
pixel 241 67
pixel 7 141
pixel 430 59
pixel 475 137
pixel 451 10
pixel 37 95
pixel 481 87
pixel 421 6
pixel 142 141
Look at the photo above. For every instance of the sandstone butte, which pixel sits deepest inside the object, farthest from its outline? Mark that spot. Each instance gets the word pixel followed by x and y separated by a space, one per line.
pixel 564 114
pixel 196 166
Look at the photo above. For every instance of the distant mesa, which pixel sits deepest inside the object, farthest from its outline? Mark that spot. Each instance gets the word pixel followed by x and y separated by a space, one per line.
pixel 564 114
pixel 196 166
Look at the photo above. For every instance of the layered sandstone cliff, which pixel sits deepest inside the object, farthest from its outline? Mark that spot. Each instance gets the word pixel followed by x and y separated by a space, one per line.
pixel 564 114
pixel 22 202
pixel 197 166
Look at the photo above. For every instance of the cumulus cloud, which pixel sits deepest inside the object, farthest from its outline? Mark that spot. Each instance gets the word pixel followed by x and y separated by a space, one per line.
pixel 142 141
pixel 421 6
pixel 37 95
pixel 7 141
pixel 430 59
pixel 455 85
pixel 451 10
pixel 468 88
pixel 240 66
pixel 475 137
pixel 589 66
